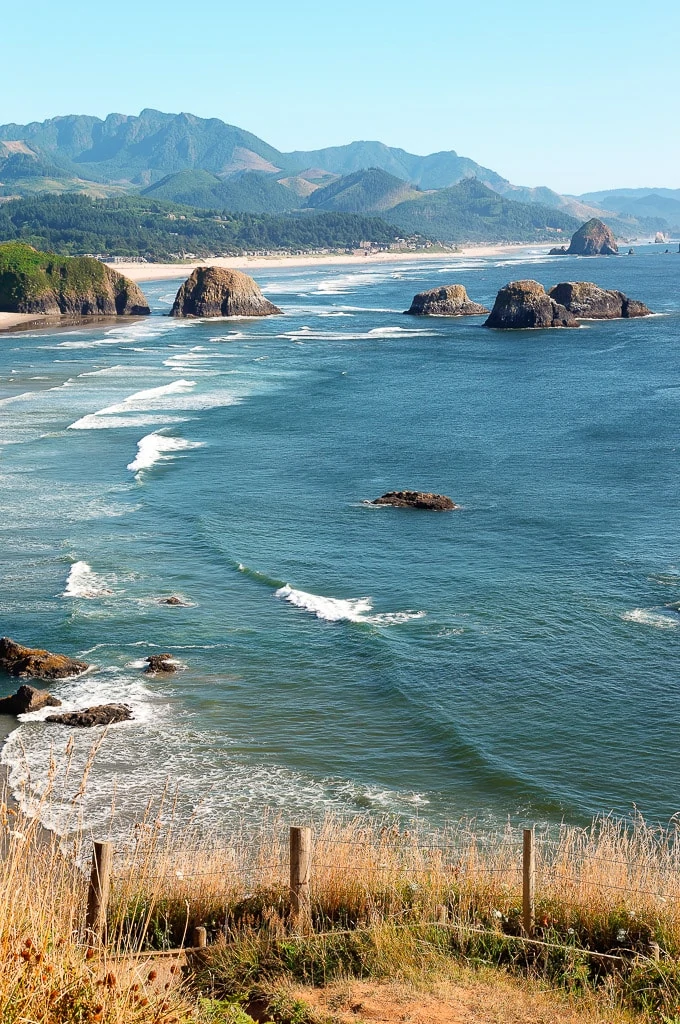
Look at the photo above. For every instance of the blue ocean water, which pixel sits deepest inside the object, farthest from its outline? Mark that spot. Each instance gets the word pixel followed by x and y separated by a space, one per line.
pixel 517 658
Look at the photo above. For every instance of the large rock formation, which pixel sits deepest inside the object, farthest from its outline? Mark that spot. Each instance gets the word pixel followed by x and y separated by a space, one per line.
pixel 586 301
pixel 100 714
pixel 160 663
pixel 593 238
pixel 416 499
pixel 41 282
pixel 32 662
pixel 26 699
pixel 451 300
pixel 523 304
pixel 215 291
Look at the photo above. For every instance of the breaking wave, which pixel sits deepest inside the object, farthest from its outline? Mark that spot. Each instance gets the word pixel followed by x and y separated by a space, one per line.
pixel 158 448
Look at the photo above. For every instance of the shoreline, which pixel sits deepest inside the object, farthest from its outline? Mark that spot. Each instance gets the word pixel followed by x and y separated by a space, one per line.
pixel 140 272
pixel 167 271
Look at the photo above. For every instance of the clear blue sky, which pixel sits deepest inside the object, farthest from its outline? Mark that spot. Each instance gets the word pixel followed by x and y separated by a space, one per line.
pixel 578 96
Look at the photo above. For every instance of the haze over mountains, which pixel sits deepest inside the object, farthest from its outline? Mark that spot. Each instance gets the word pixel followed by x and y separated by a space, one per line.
pixel 207 163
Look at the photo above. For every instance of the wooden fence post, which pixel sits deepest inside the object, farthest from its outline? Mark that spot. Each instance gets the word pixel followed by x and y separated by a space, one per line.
pixel 98 893
pixel 528 881
pixel 199 937
pixel 300 870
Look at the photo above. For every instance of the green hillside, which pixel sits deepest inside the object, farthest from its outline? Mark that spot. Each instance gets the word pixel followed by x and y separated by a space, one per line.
pixel 249 192
pixel 370 191
pixel 142 226
pixel 471 212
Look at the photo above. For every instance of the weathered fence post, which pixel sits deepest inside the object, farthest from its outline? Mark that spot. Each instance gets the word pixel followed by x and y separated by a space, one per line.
pixel 98 893
pixel 300 870
pixel 528 881
pixel 199 937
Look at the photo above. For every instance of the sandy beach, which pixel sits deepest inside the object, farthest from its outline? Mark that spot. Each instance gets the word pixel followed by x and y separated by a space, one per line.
pixel 164 271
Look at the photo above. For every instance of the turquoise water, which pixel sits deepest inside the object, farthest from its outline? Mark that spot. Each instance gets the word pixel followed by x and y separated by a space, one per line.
pixel 516 658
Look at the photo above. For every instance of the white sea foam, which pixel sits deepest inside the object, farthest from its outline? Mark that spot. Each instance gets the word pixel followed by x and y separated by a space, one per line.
pixel 158 447
pixel 647 617
pixel 82 581
pixel 312 334
pixel 333 609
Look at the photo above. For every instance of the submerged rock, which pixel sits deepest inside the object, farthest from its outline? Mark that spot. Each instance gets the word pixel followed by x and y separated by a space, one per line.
pixel 33 662
pixel 100 714
pixel 588 301
pixel 593 238
pixel 215 291
pixel 524 304
pixel 26 699
pixel 160 663
pixel 173 600
pixel 450 300
pixel 41 282
pixel 416 499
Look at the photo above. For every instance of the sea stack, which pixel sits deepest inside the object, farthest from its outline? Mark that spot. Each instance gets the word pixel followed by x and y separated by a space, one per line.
pixel 451 300
pixel 525 304
pixel 215 291
pixel 593 238
pixel 43 283
pixel 586 301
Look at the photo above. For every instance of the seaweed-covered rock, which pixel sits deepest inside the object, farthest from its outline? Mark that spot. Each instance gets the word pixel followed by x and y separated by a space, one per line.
pixel 450 300
pixel 416 499
pixel 593 238
pixel 26 699
pixel 99 714
pixel 41 282
pixel 33 662
pixel 588 301
pixel 523 304
pixel 215 291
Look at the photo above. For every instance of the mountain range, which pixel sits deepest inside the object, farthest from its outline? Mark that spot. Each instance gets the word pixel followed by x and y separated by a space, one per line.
pixel 213 165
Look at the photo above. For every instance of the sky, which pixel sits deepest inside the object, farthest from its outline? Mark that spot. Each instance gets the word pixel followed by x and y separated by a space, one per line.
pixel 578 96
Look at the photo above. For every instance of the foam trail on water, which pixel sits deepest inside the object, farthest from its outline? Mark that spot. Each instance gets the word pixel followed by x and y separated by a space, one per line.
pixel 646 617
pixel 334 609
pixel 158 448
pixel 82 581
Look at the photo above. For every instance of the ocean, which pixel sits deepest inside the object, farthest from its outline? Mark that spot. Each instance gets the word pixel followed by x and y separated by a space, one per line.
pixel 513 660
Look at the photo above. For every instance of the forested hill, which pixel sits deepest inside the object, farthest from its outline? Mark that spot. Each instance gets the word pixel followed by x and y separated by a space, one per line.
pixel 139 226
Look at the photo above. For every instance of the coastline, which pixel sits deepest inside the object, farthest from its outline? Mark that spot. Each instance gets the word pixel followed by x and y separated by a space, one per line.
pixel 166 271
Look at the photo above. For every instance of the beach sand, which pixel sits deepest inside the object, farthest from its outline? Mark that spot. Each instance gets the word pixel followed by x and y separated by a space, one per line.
pixel 166 271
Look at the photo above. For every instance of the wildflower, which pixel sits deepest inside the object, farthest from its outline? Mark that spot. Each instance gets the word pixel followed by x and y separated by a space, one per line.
pixel 621 935
pixel 570 931
pixel 497 914
pixel 179 874
pixel 19 836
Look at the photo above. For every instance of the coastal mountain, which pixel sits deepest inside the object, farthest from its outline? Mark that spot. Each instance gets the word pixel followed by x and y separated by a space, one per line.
pixel 472 212
pixel 247 192
pixel 207 163
pixel 641 202
pixel 370 191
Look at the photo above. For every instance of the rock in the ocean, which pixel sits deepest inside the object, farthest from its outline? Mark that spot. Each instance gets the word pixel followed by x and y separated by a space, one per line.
pixel 558 250
pixel 215 291
pixel 26 699
pixel 100 714
pixel 40 282
pixel 173 600
pixel 586 301
pixel 593 238
pixel 32 662
pixel 523 304
pixel 160 663
pixel 451 300
pixel 416 499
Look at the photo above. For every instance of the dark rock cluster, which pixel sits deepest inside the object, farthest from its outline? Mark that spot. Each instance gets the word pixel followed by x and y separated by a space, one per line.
pixel 588 302
pixel 33 662
pixel 99 714
pixel 523 304
pixel 416 499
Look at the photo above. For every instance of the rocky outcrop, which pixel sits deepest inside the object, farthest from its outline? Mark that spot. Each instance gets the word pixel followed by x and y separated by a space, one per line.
pixel 451 300
pixel 160 663
pixel 593 238
pixel 416 499
pixel 173 600
pixel 27 699
pixel 523 304
pixel 32 662
pixel 558 250
pixel 43 283
pixel 215 291
pixel 588 302
pixel 100 714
